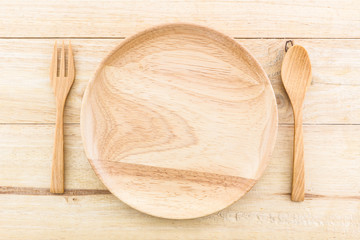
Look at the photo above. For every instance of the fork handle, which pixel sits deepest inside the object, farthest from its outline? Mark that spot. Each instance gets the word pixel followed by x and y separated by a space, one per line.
pixel 57 170
pixel 298 184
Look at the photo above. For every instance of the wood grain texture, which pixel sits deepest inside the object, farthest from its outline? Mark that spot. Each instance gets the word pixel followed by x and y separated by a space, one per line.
pixel 331 209
pixel 339 177
pixel 27 117
pixel 103 216
pixel 61 78
pixel 184 112
pixel 336 67
pixel 296 75
pixel 33 152
pixel 249 19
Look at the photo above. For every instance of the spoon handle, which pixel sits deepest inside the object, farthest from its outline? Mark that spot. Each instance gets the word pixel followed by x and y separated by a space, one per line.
pixel 298 184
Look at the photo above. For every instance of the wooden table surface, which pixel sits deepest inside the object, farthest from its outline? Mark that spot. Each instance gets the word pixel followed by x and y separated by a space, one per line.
pixel 328 29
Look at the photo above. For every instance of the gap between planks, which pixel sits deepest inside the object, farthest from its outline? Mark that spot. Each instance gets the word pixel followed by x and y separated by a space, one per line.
pixel 46 191
pixel 237 38
pixel 280 124
pixel 33 191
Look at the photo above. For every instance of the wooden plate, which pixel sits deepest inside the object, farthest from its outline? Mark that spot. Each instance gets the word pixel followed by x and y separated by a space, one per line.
pixel 179 121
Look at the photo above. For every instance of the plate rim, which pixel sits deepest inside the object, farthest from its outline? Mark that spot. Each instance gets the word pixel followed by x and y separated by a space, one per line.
pixel 155 28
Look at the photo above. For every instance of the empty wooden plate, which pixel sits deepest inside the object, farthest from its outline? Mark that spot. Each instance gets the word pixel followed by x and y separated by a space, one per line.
pixel 179 121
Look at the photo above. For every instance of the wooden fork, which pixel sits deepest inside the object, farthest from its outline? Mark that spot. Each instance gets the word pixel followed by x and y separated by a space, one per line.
pixel 61 83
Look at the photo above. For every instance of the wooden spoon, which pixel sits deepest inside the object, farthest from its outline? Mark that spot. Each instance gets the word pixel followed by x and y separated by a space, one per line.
pixel 296 76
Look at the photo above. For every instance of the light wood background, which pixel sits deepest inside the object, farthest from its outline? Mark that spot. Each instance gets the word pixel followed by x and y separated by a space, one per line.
pixel 328 29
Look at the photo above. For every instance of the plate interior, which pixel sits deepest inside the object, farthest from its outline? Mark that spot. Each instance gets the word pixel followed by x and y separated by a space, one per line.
pixel 179 121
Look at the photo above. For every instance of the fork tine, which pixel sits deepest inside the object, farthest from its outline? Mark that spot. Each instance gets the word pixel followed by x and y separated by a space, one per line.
pixel 71 68
pixel 53 67
pixel 62 61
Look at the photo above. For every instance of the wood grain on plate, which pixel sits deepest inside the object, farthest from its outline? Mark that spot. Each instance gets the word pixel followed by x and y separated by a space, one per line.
pixel 179 121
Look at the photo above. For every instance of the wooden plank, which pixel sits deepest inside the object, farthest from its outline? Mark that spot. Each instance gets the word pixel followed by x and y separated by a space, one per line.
pixel 276 18
pixel 26 155
pixel 331 208
pixel 26 95
pixel 331 160
pixel 104 217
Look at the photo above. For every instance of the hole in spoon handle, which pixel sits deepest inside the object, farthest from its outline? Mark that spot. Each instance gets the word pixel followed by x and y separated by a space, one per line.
pixel 287 43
